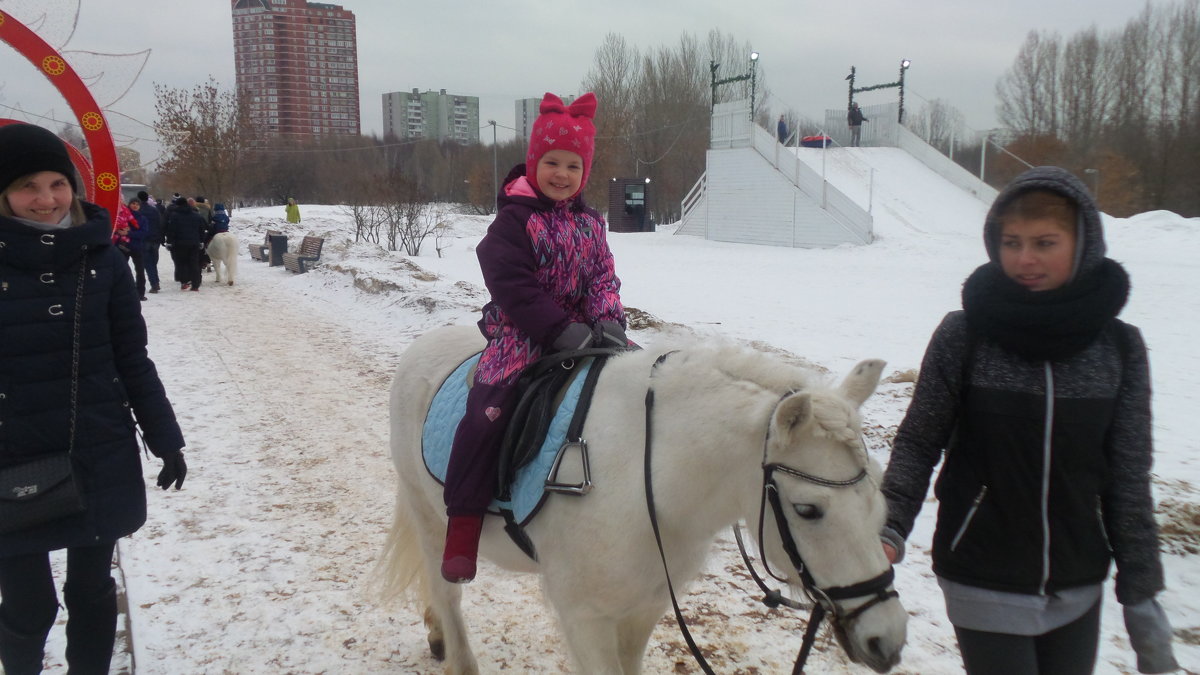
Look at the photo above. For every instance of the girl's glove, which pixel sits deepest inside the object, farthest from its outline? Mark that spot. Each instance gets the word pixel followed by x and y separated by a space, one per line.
pixel 1150 634
pixel 609 334
pixel 174 470
pixel 575 336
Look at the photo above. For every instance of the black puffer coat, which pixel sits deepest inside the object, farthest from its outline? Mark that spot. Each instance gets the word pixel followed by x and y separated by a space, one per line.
pixel 1047 469
pixel 39 272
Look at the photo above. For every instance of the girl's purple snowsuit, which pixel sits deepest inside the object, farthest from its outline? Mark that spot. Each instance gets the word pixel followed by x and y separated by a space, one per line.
pixel 546 265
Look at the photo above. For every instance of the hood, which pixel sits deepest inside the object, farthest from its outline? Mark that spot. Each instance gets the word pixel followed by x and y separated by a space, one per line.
pixel 1089 234
pixel 541 201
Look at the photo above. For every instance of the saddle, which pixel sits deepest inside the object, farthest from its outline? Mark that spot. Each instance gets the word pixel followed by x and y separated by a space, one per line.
pixel 552 400
pixel 540 391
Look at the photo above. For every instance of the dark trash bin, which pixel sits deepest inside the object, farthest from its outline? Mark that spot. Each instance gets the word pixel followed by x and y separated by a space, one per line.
pixel 278 244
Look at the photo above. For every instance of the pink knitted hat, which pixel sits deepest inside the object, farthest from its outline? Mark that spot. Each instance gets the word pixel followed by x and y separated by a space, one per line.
pixel 561 127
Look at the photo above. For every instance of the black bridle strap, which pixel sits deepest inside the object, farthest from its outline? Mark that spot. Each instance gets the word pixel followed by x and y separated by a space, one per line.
pixel 771 598
pixel 687 636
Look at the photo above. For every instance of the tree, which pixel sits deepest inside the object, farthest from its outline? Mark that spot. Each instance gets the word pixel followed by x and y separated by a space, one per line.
pixel 939 123
pixel 1028 92
pixel 207 137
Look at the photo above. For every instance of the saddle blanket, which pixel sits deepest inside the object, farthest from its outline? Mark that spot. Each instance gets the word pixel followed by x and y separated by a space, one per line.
pixel 448 407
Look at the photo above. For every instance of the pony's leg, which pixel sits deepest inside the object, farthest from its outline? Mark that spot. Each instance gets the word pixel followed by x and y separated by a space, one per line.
pixel 633 634
pixel 447 631
pixel 593 642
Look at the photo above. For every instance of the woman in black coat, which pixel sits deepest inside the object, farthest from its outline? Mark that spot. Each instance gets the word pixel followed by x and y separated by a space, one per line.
pixel 55 248
pixel 1035 399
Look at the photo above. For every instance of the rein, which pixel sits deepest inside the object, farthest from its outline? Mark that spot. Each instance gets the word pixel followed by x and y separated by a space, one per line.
pixel 824 599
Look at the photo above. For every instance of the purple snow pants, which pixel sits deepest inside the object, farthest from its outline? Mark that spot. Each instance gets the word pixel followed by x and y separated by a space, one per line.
pixel 474 457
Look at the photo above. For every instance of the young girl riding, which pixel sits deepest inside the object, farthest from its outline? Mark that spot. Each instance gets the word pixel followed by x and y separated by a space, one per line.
pixel 550 273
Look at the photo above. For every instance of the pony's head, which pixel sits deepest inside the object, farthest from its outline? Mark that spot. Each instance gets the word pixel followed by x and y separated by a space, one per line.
pixel 819 480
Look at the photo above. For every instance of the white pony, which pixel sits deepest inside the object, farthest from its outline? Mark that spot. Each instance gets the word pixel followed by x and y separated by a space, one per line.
pixel 720 415
pixel 223 249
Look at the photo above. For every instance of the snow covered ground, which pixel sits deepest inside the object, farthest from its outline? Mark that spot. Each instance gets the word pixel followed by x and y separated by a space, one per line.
pixel 280 382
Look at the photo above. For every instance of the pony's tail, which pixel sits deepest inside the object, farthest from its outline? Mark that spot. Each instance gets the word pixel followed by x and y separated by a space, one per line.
pixel 398 574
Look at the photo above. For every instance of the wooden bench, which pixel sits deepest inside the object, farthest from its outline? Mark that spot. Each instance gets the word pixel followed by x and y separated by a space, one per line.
pixel 260 251
pixel 309 252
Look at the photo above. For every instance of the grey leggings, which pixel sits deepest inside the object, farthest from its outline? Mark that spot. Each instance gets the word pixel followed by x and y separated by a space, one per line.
pixel 1069 650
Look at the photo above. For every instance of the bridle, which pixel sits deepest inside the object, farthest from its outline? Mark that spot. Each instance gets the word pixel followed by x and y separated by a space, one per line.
pixel 825 600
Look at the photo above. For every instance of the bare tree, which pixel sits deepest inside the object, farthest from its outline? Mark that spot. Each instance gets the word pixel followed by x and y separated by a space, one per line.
pixel 939 123
pixel 207 136
pixel 1086 88
pixel 1028 92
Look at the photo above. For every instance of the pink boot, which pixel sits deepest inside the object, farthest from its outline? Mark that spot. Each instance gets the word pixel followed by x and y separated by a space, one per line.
pixel 462 548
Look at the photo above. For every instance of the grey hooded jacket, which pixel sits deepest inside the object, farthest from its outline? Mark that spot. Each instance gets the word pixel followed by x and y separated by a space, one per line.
pixel 1047 464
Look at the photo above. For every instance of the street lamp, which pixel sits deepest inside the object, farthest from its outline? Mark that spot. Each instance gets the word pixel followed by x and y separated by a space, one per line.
pixel 495 177
pixel 712 71
pixel 904 64
pixel 753 70
pixel 1095 174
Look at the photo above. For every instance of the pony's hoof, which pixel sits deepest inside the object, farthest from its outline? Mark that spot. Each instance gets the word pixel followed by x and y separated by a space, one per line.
pixel 231 283
pixel 437 649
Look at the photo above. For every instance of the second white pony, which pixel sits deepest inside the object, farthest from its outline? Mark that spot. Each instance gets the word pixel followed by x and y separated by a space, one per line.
pixel 223 249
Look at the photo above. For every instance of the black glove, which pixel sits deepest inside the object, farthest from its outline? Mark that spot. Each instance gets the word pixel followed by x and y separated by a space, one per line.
pixel 174 470
pixel 609 334
pixel 575 336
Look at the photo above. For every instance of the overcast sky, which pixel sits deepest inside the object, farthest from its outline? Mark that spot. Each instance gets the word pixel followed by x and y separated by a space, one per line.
pixel 502 51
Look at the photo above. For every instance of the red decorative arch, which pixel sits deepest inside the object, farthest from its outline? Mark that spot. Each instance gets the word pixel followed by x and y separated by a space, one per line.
pixel 103 176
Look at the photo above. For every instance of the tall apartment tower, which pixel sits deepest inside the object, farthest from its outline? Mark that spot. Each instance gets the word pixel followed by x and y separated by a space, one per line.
pixel 297 61
pixel 527 114
pixel 433 115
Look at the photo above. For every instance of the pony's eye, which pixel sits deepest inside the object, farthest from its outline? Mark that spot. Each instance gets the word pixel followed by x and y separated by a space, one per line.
pixel 807 511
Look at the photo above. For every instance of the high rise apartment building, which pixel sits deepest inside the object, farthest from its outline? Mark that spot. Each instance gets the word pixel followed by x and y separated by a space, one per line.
pixel 297 61
pixel 432 115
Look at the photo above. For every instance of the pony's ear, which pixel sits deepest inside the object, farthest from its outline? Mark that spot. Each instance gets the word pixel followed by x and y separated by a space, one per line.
pixel 793 412
pixel 861 382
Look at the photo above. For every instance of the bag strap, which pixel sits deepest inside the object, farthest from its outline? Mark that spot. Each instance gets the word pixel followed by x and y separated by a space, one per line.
pixel 75 352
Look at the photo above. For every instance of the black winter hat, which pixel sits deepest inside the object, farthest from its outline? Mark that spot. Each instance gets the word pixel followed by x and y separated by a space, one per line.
pixel 28 148
pixel 144 196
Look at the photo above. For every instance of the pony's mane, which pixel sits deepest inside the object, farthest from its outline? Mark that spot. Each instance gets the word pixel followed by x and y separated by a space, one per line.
pixel 720 362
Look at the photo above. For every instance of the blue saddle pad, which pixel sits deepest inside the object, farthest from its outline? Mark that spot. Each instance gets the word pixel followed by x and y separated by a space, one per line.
pixel 448 407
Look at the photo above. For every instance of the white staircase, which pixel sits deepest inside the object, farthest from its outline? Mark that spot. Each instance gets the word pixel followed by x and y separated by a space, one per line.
pixel 752 192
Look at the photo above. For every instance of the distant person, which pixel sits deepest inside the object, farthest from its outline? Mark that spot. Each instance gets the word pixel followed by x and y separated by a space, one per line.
pixel 855 119
pixel 74 381
pixel 220 223
pixel 1035 399
pixel 154 213
pixel 553 288
pixel 185 238
pixel 781 130
pixel 292 211
pixel 137 243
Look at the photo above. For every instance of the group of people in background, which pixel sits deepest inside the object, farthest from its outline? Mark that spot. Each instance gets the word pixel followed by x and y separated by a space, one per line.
pixel 184 225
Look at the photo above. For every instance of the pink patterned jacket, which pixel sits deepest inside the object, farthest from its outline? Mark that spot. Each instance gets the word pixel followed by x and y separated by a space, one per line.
pixel 546 265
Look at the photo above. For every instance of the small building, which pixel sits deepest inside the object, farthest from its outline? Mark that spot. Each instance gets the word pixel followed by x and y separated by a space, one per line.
pixel 627 205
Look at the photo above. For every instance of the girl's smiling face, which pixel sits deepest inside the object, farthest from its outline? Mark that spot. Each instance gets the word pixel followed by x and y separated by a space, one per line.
pixel 559 174
pixel 1037 253
pixel 43 197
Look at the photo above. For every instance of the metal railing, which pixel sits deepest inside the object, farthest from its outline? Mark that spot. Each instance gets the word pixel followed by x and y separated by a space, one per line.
pixel 695 209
